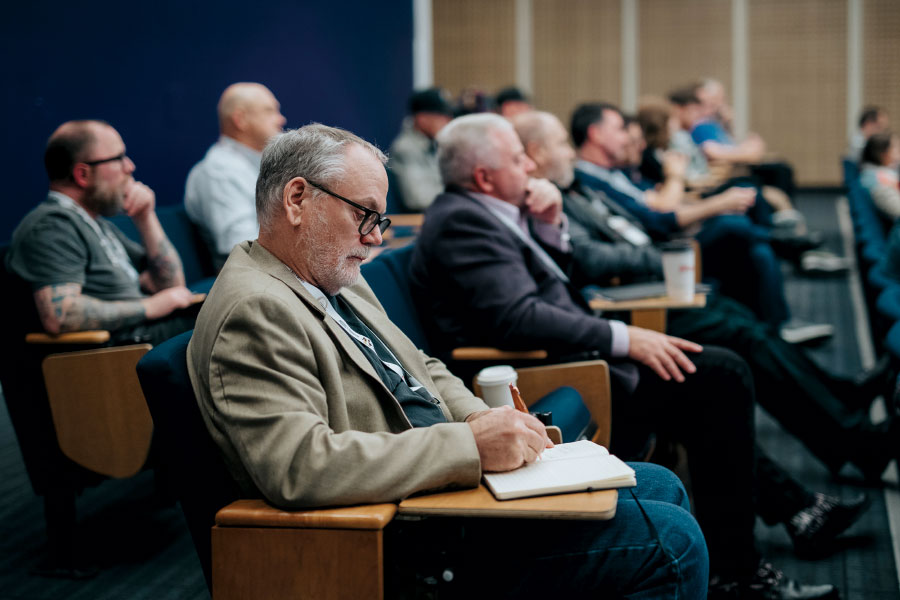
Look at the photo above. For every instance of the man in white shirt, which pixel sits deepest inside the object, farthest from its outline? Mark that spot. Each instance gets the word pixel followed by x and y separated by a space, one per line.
pixel 221 189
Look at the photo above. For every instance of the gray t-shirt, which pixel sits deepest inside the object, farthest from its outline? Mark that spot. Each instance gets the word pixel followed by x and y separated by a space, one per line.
pixel 56 244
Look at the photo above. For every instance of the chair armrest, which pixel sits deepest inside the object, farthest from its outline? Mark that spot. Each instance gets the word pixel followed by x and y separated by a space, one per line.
pixel 407 219
pixel 589 377
pixel 657 303
pixel 98 336
pixel 484 353
pixel 257 513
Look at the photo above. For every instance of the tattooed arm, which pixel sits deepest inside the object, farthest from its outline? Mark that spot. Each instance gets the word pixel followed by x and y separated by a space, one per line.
pixel 164 266
pixel 62 308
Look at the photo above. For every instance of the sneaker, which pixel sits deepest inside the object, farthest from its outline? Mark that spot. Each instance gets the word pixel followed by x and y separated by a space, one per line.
pixel 769 583
pixel 815 262
pixel 814 528
pixel 796 331
pixel 788 219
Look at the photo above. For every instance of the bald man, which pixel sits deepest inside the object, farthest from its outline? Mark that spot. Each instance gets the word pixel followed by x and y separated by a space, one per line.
pixel 220 192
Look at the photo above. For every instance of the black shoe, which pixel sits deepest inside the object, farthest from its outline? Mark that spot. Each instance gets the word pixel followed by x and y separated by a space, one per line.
pixel 814 528
pixel 768 583
pixel 791 246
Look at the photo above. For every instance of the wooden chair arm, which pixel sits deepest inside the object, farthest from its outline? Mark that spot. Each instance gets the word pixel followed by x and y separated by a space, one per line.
pixel 589 377
pixel 495 354
pixel 257 513
pixel 657 303
pixel 98 336
pixel 406 220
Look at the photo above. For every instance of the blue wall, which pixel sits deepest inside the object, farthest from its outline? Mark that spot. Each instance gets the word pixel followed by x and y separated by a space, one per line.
pixel 155 70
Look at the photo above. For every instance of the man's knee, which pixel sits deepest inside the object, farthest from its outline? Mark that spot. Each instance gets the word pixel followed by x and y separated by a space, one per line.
pixel 658 484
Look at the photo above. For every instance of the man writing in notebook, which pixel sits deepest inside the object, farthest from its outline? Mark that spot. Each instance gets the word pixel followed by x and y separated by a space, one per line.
pixel 316 399
pixel 490 267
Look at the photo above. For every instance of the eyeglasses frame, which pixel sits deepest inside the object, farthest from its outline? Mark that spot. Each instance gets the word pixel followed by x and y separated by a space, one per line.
pixel 381 221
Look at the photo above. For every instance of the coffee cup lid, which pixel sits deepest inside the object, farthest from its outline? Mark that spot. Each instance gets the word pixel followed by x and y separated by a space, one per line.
pixel 498 374
pixel 676 246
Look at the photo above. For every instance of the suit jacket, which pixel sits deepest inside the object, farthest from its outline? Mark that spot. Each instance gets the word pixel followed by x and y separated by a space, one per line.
pixel 599 251
pixel 482 285
pixel 297 409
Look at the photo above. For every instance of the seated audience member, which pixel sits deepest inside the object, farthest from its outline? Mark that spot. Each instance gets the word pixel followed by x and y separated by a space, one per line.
pixel 85 273
pixel 827 413
pixel 872 120
pixel 316 399
pixel 658 125
pixel 510 101
pixel 736 252
pixel 220 189
pixel 714 136
pixel 879 175
pixel 413 159
pixel 487 268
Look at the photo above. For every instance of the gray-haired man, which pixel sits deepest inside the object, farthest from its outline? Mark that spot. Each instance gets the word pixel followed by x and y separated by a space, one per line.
pixel 316 399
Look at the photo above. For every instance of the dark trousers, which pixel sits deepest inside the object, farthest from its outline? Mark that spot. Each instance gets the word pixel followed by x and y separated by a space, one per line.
pixel 737 253
pixel 776 174
pixel 157 331
pixel 789 385
pixel 711 414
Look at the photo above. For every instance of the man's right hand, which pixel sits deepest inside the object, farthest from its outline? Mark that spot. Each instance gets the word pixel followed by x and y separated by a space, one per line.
pixel 662 353
pixel 164 302
pixel 506 438
pixel 736 200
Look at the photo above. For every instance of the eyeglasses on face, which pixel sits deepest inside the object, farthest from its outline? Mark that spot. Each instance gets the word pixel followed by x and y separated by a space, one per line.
pixel 100 161
pixel 370 219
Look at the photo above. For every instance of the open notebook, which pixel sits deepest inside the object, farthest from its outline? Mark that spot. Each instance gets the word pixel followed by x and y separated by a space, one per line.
pixel 573 467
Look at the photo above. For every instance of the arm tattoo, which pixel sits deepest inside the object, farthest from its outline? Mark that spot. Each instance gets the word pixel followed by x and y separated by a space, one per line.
pixel 62 308
pixel 165 266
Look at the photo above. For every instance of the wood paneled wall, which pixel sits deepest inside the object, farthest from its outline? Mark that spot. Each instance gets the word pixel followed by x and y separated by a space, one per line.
pixel 577 54
pixel 683 41
pixel 474 44
pixel 881 55
pixel 798 82
pixel 797 60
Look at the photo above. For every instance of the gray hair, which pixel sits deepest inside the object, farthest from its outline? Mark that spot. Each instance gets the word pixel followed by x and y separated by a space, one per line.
pixel 314 152
pixel 465 143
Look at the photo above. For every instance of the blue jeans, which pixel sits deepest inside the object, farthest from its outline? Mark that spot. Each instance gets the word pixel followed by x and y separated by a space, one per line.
pixel 652 548
pixel 737 253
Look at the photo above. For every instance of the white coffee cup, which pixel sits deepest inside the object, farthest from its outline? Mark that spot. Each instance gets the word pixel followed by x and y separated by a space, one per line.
pixel 494 382
pixel 678 270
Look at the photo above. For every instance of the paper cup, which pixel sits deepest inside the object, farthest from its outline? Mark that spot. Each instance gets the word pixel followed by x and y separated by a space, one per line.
pixel 678 270
pixel 494 382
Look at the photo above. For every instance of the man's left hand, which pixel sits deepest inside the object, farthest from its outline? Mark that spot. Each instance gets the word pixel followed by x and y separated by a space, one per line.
pixel 139 201
pixel 543 201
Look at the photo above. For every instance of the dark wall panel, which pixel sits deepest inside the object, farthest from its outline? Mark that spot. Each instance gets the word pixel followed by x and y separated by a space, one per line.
pixel 155 70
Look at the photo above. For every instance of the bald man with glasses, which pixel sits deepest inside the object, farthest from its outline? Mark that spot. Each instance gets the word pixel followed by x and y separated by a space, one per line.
pixel 84 272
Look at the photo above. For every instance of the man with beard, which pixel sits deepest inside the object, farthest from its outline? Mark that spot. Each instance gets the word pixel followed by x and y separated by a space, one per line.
pixel 316 399
pixel 82 269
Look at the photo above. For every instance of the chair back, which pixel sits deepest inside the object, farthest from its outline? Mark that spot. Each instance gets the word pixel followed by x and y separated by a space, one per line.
pixel 187 453
pixel 388 276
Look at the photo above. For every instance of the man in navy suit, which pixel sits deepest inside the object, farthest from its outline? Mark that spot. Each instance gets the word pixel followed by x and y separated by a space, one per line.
pixel 490 266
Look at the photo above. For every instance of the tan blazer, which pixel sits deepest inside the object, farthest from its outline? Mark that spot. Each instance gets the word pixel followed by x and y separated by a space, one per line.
pixel 297 409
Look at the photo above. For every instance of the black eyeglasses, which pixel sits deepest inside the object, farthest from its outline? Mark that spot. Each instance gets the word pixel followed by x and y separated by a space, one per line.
pixel 371 218
pixel 105 160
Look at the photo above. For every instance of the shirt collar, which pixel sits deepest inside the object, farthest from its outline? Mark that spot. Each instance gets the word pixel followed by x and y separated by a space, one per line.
pixel 510 210
pixel 247 152
pixel 591 168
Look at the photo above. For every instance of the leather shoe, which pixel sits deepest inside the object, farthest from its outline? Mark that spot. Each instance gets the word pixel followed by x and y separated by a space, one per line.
pixel 814 528
pixel 768 583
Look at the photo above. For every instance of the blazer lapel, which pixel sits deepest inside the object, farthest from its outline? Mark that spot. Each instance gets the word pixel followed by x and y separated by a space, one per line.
pixel 277 269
